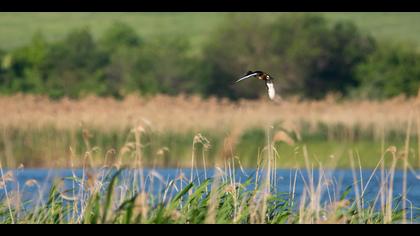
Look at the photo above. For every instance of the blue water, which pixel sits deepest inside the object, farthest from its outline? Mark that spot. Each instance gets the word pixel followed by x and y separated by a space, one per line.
pixel 340 179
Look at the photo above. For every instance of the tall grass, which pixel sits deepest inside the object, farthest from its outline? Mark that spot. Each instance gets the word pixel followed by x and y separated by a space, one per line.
pixel 38 132
pixel 122 195
pixel 97 135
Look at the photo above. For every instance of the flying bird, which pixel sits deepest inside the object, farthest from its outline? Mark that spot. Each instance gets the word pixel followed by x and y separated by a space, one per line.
pixel 262 76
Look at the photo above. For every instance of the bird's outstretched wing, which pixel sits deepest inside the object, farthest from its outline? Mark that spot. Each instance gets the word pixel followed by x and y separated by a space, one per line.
pixel 246 77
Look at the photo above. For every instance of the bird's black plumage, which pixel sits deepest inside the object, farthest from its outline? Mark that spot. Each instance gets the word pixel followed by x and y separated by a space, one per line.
pixel 261 76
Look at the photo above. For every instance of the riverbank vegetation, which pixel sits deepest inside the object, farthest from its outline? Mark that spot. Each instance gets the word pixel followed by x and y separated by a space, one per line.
pixel 39 132
pixel 302 51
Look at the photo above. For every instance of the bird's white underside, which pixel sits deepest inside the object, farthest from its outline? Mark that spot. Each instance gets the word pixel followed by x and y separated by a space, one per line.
pixel 271 90
pixel 270 86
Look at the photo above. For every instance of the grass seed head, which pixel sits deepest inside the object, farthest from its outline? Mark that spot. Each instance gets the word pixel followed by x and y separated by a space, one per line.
pixel 8 177
pixel 392 149
pixel 31 182
pixel 282 136
pixel 199 138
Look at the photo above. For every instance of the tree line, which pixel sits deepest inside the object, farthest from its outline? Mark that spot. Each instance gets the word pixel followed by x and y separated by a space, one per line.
pixel 307 55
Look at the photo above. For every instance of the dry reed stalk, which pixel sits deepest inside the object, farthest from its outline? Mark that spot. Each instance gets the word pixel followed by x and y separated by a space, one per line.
pixel 229 144
pixel 214 202
pixel 303 211
pixel 268 178
pixel 8 153
pixel 311 186
pixel 138 131
pixel 389 199
pixel 361 180
pixel 293 189
pixel 382 193
pixel 405 167
pixel 240 210
pixel 418 137
pixel 355 184
pixel 8 200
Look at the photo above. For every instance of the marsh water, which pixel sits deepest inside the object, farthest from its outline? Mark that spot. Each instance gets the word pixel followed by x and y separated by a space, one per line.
pixel 35 183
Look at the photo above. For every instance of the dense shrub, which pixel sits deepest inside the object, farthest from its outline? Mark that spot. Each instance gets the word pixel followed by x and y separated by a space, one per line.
pixel 307 55
pixel 73 65
pixel 239 45
pixel 317 57
pixel 120 35
pixel 392 70
pixel 23 68
pixel 122 45
pixel 165 66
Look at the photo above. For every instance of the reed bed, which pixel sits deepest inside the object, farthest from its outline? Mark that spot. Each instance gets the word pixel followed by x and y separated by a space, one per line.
pixel 180 113
pixel 107 195
pixel 38 132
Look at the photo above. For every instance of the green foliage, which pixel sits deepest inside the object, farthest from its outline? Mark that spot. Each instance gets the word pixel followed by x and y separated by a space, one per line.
pixel 73 65
pixel 121 44
pixel 390 71
pixel 302 51
pixel 164 66
pixel 239 45
pixel 307 55
pixel 23 67
pixel 120 35
pixel 320 58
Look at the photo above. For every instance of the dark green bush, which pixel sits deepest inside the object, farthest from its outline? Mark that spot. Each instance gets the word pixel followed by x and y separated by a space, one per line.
pixel 165 66
pixel 307 55
pixel 392 70
pixel 73 65
pixel 120 35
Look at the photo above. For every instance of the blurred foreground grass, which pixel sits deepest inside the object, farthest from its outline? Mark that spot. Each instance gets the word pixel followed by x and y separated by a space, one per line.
pixel 54 148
